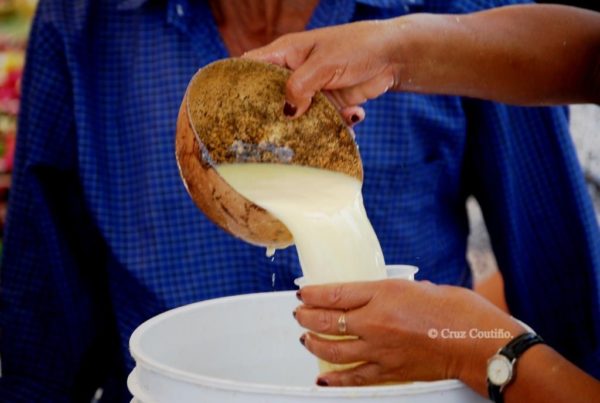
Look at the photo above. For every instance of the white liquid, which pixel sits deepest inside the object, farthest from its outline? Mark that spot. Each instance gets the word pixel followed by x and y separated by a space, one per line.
pixel 324 212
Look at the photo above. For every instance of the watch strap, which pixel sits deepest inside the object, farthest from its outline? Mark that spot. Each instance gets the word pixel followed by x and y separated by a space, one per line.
pixel 519 345
pixel 495 393
pixel 513 350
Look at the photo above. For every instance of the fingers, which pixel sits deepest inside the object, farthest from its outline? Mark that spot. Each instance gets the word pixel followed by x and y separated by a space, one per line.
pixel 293 52
pixel 335 351
pixel 341 296
pixel 364 374
pixel 326 321
pixel 312 76
pixel 269 54
pixel 360 93
pixel 287 51
pixel 353 115
pixel 326 59
pixel 344 352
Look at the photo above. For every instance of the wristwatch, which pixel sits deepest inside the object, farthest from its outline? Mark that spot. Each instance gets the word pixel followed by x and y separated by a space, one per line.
pixel 501 366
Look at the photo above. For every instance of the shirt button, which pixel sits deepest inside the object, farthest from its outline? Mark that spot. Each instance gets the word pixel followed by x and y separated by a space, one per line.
pixel 179 9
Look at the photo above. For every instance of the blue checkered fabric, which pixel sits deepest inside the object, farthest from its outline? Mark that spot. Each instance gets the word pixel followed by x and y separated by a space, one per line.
pixel 102 235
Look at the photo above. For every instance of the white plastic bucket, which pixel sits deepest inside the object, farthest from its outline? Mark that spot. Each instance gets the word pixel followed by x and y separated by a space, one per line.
pixel 246 349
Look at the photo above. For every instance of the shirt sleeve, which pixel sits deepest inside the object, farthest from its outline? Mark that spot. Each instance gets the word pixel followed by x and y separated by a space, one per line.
pixel 54 310
pixel 524 172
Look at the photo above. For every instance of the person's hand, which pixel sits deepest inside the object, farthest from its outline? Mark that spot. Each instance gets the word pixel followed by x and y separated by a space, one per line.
pixel 351 62
pixel 407 331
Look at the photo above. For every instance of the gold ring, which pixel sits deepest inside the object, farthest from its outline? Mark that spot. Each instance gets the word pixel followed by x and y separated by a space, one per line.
pixel 342 323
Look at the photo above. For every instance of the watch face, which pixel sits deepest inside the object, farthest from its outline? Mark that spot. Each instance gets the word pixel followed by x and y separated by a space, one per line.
pixel 499 370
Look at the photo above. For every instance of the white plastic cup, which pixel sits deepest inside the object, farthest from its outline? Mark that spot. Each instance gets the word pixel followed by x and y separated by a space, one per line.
pixel 394 271
pixel 397 271
pixel 401 271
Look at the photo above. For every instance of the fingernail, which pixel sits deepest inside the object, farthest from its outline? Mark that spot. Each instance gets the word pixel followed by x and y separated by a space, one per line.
pixel 289 109
pixel 299 295
pixel 294 313
pixel 354 118
pixel 303 339
pixel 322 382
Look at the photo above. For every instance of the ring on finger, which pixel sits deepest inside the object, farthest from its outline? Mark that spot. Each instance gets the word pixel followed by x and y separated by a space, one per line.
pixel 342 327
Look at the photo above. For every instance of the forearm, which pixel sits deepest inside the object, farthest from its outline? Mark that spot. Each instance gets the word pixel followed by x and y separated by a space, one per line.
pixel 541 375
pixel 519 54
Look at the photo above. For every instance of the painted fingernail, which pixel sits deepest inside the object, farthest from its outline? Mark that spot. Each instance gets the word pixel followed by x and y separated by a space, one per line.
pixel 289 109
pixel 299 295
pixel 354 118
pixel 322 382
pixel 303 339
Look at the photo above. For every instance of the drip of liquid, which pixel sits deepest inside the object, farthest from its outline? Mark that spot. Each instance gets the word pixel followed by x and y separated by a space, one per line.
pixel 323 211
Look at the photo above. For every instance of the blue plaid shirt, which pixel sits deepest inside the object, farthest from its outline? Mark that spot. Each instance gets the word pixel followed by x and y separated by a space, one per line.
pixel 102 235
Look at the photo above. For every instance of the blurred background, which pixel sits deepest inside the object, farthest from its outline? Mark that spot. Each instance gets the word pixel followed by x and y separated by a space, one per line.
pixel 15 19
pixel 585 128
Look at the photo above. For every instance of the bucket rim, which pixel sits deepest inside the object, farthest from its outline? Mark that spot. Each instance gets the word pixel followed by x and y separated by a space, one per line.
pixel 149 364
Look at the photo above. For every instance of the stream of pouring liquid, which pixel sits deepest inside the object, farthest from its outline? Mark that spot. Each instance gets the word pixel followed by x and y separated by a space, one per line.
pixel 325 214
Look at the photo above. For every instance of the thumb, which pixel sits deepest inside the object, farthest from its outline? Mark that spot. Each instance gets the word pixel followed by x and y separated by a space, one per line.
pixel 288 51
pixel 295 52
pixel 267 54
